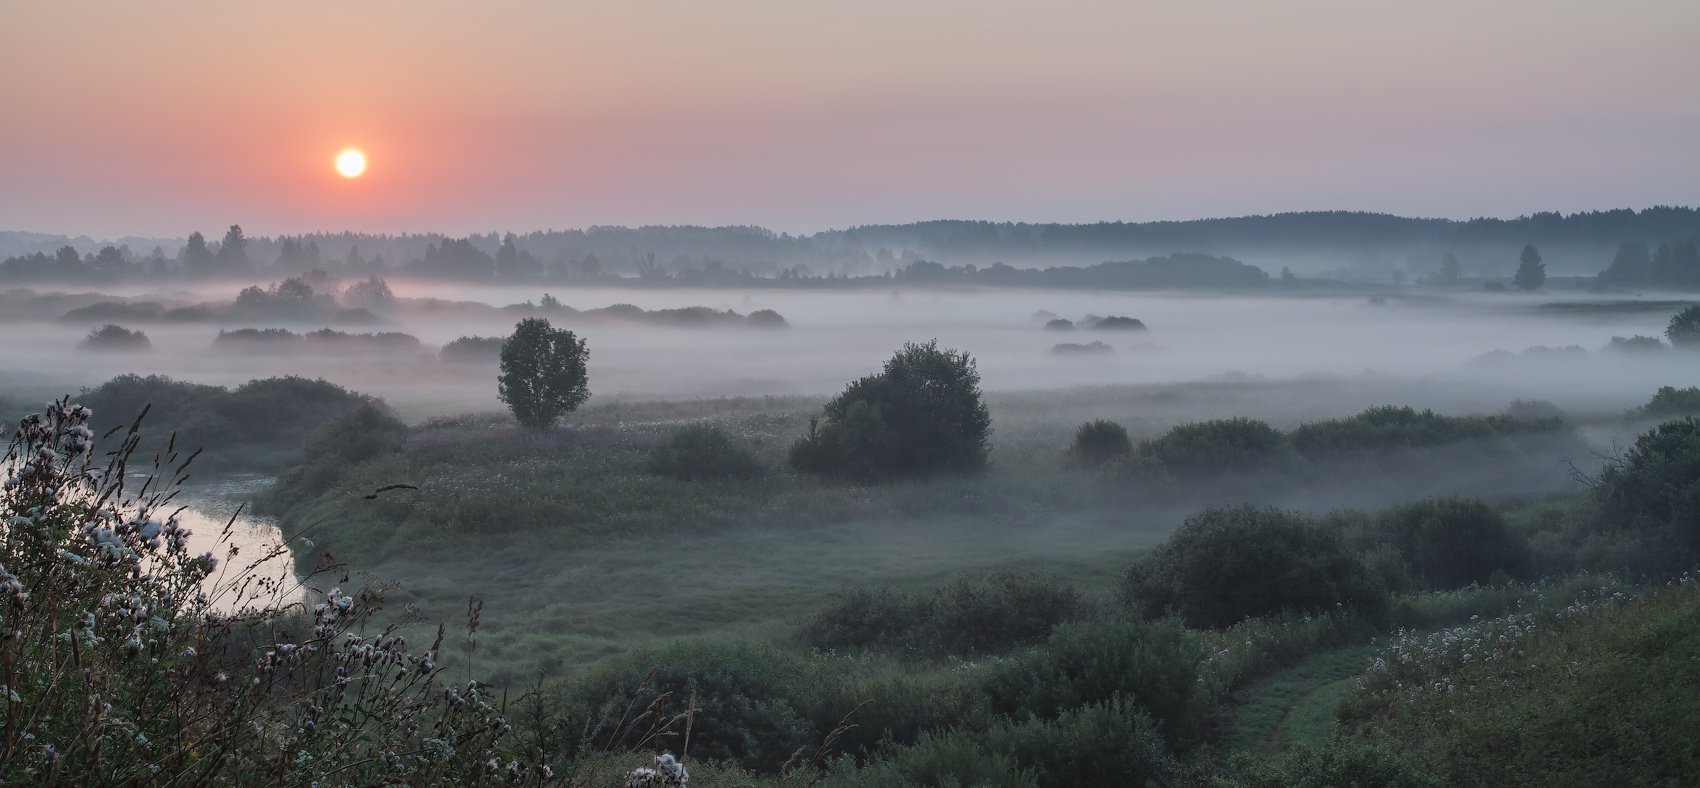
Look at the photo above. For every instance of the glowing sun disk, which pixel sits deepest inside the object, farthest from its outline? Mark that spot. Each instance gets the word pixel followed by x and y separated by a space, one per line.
pixel 351 163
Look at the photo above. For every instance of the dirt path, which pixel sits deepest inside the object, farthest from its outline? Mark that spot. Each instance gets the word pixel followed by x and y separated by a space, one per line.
pixel 1296 705
pixel 1310 718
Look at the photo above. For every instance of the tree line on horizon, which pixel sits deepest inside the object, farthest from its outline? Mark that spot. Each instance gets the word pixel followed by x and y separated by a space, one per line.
pixel 1654 246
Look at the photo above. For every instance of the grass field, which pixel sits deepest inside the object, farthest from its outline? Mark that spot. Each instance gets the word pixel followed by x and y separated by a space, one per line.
pixel 578 552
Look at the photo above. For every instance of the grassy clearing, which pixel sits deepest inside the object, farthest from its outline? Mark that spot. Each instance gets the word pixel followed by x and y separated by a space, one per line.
pixel 552 611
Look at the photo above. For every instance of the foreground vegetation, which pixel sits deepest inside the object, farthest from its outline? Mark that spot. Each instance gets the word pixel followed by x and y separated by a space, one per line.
pixel 671 583
pixel 129 660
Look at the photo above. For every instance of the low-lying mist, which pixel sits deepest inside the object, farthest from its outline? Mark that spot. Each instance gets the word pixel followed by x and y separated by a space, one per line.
pixel 832 337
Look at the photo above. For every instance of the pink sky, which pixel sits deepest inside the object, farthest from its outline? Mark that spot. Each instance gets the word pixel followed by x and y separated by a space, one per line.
pixel 160 118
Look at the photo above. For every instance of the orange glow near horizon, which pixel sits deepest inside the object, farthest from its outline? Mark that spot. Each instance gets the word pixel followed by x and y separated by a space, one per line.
pixel 798 116
pixel 351 163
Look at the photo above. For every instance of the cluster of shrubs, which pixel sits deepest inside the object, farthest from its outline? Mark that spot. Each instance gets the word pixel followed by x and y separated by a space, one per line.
pixel 117 338
pixel 473 349
pixel 364 432
pixel 1103 700
pixel 1670 402
pixel 1391 428
pixel 1638 344
pixel 1111 323
pixel 1225 565
pixel 253 423
pixel 1536 410
pixel 380 341
pixel 1078 349
pixel 1635 344
pixel 690 316
pixel 1247 448
pixel 1652 493
pixel 255 338
pixel 1098 442
pixel 699 452
pixel 324 338
pixel 312 298
pixel 137 311
pixel 973 616
pixel 1502 357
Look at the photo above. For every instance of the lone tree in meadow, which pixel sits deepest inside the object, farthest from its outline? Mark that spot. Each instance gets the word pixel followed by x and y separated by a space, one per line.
pixel 921 415
pixel 1531 272
pixel 543 375
pixel 1684 329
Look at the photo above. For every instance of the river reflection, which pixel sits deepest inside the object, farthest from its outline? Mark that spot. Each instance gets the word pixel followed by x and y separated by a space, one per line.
pixel 259 574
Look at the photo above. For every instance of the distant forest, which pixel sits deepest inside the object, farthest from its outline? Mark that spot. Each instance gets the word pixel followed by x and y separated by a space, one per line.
pixel 1652 247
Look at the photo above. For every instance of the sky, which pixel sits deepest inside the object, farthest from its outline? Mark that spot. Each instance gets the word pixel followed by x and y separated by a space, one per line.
pixel 159 118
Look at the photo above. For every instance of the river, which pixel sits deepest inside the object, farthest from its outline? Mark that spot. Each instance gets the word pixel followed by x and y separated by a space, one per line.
pixel 260 573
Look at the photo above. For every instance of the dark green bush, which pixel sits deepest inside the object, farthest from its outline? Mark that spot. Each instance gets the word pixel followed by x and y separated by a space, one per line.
pixel 703 451
pixel 1101 744
pixel 1670 402
pixel 994 612
pixel 1342 762
pixel 1119 323
pixel 767 318
pixel 974 615
pixel 753 704
pixel 864 618
pixel 949 759
pixel 1225 565
pixel 1098 442
pixel 468 349
pixel 1152 665
pixel 382 341
pixel 115 337
pixel 1387 428
pixel 285 408
pixel 1655 488
pixel 901 707
pixel 1635 344
pixel 260 415
pixel 365 432
pixel 1452 543
pixel 1684 328
pixel 174 403
pixel 251 338
pixel 1237 445
pixel 921 415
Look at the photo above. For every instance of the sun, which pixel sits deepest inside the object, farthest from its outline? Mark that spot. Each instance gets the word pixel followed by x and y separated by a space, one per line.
pixel 351 163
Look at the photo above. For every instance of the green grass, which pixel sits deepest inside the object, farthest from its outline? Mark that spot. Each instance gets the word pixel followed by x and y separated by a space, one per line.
pixel 579 552
pixel 1600 692
pixel 555 610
